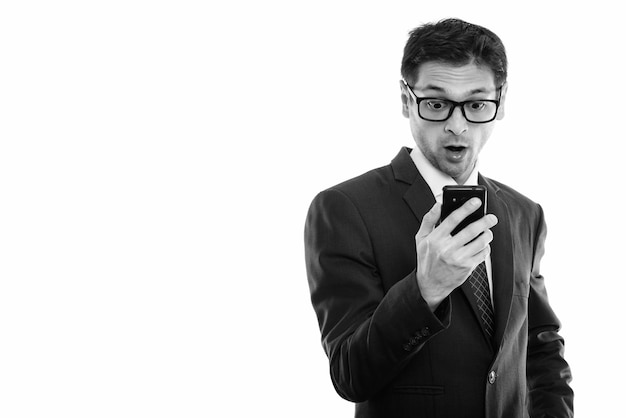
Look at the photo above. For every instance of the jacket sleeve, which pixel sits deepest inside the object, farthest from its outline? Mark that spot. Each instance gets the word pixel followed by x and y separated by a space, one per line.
pixel 548 373
pixel 368 334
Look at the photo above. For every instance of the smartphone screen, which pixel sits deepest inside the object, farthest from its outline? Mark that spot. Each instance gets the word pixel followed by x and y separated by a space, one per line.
pixel 455 196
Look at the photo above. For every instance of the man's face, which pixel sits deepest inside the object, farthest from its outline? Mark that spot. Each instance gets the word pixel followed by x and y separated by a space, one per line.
pixel 452 145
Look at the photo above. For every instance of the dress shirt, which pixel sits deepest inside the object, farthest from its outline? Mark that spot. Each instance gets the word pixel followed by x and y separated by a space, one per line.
pixel 436 180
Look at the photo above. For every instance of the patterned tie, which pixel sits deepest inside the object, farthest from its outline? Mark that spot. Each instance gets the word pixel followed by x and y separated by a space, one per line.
pixel 480 288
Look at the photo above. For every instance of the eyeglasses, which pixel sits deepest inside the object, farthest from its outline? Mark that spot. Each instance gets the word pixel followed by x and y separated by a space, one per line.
pixel 435 109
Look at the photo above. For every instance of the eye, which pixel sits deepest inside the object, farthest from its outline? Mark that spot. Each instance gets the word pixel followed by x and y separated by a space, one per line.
pixel 437 105
pixel 476 106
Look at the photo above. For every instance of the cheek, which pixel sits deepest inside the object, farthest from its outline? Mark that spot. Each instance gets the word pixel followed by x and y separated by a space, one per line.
pixel 427 138
pixel 482 137
pixel 426 131
pixel 416 127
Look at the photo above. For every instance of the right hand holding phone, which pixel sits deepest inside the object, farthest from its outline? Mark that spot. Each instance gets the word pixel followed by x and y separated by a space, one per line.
pixel 444 261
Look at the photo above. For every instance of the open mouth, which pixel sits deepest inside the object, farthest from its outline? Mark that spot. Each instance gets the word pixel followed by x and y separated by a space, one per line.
pixel 456 153
pixel 455 149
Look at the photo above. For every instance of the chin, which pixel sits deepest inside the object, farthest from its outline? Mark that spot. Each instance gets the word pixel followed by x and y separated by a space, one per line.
pixel 452 170
pixel 455 172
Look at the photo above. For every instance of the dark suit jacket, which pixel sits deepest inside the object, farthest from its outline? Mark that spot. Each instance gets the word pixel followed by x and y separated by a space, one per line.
pixel 388 352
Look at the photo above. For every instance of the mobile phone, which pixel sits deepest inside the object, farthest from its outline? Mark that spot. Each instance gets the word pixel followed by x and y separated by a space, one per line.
pixel 455 196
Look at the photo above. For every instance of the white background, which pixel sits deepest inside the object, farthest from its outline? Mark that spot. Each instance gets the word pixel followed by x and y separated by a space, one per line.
pixel 157 160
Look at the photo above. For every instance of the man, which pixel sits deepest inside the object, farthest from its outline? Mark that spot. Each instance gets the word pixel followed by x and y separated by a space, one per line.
pixel 394 292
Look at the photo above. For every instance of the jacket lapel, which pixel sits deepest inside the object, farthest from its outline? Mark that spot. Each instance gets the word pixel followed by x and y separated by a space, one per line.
pixel 418 196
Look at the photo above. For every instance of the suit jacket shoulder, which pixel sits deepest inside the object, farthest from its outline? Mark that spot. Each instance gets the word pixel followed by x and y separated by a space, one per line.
pixel 367 186
pixel 520 207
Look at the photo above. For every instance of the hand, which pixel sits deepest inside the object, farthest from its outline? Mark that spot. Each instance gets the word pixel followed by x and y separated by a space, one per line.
pixel 444 261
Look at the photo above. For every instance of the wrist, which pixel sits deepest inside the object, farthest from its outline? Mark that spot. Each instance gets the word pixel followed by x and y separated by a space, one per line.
pixel 432 299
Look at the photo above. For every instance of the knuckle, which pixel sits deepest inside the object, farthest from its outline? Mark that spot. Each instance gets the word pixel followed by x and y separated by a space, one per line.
pixel 452 258
pixel 442 254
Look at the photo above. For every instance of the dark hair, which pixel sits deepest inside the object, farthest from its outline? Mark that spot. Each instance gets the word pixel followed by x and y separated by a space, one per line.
pixel 453 41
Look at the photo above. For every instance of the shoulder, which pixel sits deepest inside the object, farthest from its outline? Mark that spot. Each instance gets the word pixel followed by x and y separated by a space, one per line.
pixel 371 198
pixel 519 205
pixel 343 207
pixel 379 184
pixel 368 186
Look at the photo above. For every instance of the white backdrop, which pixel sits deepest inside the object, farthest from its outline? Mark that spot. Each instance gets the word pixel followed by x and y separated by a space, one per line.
pixel 157 160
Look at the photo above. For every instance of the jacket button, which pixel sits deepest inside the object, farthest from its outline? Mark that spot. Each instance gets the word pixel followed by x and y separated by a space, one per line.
pixel 407 347
pixel 492 377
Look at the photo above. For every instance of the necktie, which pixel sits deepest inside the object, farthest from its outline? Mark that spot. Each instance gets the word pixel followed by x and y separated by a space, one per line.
pixel 480 288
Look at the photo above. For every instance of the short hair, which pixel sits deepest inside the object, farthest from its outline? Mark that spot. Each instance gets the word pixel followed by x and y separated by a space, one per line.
pixel 455 42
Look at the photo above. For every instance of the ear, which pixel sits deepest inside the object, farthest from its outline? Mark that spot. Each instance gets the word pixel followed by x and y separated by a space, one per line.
pixel 505 88
pixel 404 95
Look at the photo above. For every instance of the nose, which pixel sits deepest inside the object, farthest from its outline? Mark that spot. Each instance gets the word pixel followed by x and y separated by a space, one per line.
pixel 456 123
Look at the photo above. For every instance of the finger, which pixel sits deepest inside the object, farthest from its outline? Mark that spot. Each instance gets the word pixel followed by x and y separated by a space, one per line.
pixel 474 229
pixel 481 256
pixel 475 259
pixel 429 221
pixel 475 247
pixel 455 218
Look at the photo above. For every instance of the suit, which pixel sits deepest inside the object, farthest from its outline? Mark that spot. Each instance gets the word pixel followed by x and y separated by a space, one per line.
pixel 388 352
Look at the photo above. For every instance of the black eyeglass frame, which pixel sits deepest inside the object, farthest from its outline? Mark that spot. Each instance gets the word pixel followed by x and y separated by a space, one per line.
pixel 418 100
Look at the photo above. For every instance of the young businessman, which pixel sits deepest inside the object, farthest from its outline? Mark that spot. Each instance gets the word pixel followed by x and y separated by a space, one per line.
pixel 407 331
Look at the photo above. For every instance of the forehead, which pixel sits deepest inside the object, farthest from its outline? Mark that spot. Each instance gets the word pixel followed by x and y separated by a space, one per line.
pixel 455 80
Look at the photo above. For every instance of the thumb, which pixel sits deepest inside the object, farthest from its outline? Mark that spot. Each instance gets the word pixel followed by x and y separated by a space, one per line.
pixel 429 221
